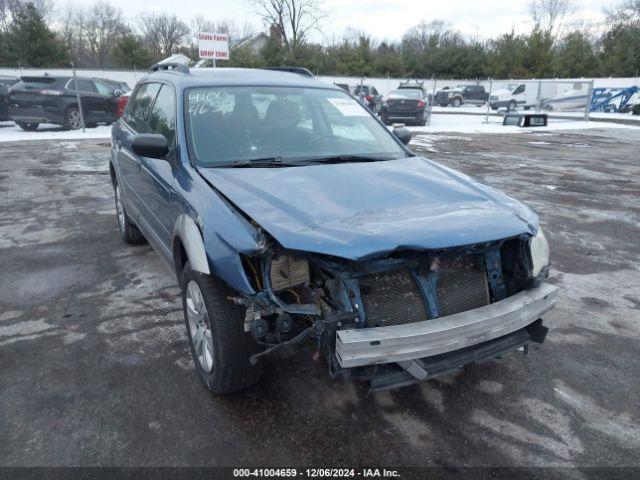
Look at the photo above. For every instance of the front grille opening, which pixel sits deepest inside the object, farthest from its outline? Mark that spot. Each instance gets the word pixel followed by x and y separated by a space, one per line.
pixel 392 298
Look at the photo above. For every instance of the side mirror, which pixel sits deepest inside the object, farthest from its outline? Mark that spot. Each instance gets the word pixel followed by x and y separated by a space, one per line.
pixel 403 134
pixel 117 92
pixel 150 145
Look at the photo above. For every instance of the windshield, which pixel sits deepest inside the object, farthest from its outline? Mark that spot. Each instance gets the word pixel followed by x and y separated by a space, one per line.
pixel 241 124
pixel 406 92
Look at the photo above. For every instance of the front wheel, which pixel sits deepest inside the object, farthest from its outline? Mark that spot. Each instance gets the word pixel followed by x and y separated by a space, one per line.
pixel 511 106
pixel 456 102
pixel 215 326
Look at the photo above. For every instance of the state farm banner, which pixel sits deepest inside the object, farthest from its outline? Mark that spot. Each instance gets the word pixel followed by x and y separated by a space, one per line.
pixel 213 45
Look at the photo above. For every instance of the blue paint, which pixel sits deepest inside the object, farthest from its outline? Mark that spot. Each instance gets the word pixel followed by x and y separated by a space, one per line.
pixel 494 275
pixel 359 210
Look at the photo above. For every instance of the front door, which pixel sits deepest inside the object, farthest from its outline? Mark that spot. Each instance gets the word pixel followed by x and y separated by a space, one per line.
pixel 157 175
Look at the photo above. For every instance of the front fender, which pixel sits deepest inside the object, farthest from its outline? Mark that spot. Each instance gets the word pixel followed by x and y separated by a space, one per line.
pixel 213 232
pixel 189 234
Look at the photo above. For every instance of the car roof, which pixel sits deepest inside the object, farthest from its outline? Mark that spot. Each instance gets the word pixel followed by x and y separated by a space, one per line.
pixel 200 77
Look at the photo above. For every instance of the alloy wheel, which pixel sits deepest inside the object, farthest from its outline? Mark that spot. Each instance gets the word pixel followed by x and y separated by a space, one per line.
pixel 199 326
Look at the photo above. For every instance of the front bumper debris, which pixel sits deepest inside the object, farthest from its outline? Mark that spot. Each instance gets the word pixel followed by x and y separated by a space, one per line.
pixel 411 341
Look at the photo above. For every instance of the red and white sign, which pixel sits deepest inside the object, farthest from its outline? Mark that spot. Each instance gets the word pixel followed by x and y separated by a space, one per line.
pixel 213 45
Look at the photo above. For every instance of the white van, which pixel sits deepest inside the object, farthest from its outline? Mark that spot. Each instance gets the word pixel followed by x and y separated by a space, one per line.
pixel 520 95
pixel 513 95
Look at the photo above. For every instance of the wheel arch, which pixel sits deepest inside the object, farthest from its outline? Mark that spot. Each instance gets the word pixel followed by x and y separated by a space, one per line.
pixel 187 244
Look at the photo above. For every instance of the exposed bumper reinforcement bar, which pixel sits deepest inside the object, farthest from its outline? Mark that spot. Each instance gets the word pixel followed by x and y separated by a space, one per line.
pixel 398 343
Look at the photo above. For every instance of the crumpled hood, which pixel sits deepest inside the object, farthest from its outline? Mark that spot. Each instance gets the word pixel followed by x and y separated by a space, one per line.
pixel 356 210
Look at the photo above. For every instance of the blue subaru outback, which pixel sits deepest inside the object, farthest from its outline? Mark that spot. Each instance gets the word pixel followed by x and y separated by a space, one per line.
pixel 288 213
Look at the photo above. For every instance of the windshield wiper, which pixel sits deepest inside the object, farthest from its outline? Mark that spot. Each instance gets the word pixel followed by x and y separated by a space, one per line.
pixel 346 159
pixel 258 162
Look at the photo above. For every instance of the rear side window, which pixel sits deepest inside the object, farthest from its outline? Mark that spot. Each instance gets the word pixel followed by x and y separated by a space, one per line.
pixel 139 106
pixel 163 115
pixel 104 89
pixel 84 85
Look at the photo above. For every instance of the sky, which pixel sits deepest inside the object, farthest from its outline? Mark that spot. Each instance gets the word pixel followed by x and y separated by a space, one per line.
pixel 382 19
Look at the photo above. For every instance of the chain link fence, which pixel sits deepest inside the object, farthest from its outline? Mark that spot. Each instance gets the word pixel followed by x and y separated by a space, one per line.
pixel 40 100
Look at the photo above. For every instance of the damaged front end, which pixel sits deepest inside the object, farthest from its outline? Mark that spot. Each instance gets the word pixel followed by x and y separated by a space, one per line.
pixel 402 317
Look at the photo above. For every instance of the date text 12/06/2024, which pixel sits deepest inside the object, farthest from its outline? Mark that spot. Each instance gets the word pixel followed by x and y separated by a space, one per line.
pixel 316 473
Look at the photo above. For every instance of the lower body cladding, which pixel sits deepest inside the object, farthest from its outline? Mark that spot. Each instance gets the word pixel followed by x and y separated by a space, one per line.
pixel 404 318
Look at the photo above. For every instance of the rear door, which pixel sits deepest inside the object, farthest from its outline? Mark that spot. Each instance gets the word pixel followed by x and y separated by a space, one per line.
pixel 134 120
pixel 157 175
pixel 90 99
pixel 107 99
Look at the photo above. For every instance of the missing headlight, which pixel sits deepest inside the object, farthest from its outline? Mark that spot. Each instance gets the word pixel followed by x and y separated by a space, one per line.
pixel 539 253
pixel 289 270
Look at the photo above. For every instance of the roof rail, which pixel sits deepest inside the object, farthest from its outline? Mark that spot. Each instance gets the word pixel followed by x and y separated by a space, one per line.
pixel 180 67
pixel 298 70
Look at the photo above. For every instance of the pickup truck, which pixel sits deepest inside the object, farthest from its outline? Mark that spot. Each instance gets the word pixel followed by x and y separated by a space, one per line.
pixel 461 94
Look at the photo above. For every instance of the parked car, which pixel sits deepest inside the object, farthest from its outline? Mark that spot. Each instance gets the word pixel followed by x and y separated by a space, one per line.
pixel 404 105
pixel 288 212
pixel 121 103
pixel 370 96
pixel 53 99
pixel 116 84
pixel 5 83
pixel 461 94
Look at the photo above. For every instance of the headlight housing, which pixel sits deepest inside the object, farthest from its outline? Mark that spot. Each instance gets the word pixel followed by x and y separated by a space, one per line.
pixel 539 252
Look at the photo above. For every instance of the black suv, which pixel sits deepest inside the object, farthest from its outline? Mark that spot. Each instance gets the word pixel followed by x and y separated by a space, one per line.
pixel 5 83
pixel 48 99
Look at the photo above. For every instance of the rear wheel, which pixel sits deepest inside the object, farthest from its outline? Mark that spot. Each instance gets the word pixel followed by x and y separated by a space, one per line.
pixel 29 127
pixel 72 119
pixel 423 120
pixel 215 326
pixel 128 231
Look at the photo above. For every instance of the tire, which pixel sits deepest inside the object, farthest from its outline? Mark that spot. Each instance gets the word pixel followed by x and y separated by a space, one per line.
pixel 456 102
pixel 511 106
pixel 72 119
pixel 128 230
pixel 423 120
pixel 223 347
pixel 28 127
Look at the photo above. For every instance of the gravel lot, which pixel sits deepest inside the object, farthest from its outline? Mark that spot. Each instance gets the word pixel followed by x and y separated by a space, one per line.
pixel 95 367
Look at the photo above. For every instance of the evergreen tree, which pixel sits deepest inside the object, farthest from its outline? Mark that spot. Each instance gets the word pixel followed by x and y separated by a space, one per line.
pixel 575 57
pixel 30 42
pixel 129 52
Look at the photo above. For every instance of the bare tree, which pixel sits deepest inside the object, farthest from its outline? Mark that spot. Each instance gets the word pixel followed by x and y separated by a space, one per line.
pixel 163 33
pixel 552 15
pixel 292 20
pixel 103 26
pixel 426 35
